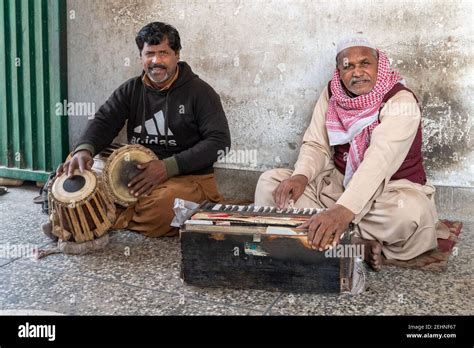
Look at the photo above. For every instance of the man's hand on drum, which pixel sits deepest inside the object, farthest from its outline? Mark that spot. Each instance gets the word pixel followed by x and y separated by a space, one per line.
pixel 81 159
pixel 325 229
pixel 153 173
pixel 291 188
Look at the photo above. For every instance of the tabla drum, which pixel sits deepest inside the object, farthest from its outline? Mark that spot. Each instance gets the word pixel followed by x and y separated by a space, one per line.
pixel 117 165
pixel 80 210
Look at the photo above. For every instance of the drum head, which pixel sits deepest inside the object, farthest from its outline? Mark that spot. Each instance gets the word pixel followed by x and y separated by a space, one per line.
pixel 74 189
pixel 121 168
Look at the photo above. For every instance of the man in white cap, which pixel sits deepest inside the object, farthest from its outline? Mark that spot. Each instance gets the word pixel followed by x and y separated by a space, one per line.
pixel 361 159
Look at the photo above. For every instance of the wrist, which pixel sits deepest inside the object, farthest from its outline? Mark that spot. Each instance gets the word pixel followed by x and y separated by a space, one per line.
pixel 87 147
pixel 84 151
pixel 301 178
pixel 346 213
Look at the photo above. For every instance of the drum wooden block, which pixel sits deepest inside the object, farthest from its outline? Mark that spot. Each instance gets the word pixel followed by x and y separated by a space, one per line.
pixel 117 165
pixel 80 210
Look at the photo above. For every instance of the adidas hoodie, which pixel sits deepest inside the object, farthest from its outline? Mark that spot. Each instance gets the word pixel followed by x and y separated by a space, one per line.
pixel 184 125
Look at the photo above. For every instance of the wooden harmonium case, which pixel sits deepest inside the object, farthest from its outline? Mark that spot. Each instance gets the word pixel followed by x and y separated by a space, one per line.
pixel 260 248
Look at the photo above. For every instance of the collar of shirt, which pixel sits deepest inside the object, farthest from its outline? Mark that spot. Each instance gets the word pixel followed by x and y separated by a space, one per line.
pixel 148 83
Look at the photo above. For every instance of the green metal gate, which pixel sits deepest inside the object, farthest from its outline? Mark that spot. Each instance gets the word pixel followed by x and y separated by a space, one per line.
pixel 33 79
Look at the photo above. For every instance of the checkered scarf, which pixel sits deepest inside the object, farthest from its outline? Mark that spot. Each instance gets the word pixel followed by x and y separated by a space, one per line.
pixel 352 120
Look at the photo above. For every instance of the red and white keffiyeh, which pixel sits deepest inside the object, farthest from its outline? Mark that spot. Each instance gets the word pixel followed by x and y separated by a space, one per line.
pixel 352 120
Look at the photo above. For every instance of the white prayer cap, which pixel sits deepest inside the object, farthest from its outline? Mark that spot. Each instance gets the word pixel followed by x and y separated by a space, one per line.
pixel 354 41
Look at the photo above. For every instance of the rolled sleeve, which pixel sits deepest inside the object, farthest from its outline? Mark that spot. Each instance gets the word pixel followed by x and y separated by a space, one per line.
pixel 88 147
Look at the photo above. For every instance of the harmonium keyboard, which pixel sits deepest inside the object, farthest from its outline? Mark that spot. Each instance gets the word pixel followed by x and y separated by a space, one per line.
pixel 239 246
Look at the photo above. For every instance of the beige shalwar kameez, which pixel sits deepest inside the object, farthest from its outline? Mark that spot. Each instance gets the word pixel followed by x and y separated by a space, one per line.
pixel 400 214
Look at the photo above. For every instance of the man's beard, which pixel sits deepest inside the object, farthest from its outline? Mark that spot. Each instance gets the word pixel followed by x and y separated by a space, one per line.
pixel 154 79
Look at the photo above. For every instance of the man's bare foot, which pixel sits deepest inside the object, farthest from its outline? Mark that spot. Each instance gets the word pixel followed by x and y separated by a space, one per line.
pixel 372 252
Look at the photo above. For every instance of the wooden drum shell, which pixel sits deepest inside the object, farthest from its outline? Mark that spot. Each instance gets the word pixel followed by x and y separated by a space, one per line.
pixel 83 220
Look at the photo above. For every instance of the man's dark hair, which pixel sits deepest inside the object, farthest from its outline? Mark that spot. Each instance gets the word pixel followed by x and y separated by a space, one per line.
pixel 154 33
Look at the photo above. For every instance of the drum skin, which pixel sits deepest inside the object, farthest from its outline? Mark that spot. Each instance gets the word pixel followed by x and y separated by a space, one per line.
pixel 118 166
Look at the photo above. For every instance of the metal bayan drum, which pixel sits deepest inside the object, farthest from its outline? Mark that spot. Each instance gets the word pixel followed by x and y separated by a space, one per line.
pixel 117 165
pixel 80 210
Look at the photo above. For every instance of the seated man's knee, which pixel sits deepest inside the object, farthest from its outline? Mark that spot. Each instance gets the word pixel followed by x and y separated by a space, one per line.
pixel 412 210
pixel 273 177
pixel 267 183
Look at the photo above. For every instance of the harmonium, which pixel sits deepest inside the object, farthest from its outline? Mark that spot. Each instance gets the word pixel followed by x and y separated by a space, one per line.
pixel 254 247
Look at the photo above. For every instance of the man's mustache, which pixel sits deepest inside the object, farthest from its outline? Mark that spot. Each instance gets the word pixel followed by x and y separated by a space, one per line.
pixel 358 80
pixel 159 66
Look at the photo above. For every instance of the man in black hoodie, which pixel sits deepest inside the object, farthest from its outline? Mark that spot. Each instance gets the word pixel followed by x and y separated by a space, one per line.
pixel 173 112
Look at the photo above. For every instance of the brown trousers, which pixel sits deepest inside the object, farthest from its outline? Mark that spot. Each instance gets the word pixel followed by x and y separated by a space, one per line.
pixel 152 215
pixel 401 215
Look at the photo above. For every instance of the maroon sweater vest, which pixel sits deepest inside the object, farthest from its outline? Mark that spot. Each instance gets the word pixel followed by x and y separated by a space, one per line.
pixel 412 167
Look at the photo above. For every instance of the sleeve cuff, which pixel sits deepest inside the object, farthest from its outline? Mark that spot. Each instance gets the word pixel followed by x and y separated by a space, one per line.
pixel 87 147
pixel 301 171
pixel 171 166
pixel 351 202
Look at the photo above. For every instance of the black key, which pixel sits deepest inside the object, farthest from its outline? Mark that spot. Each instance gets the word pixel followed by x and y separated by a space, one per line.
pixel 208 206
